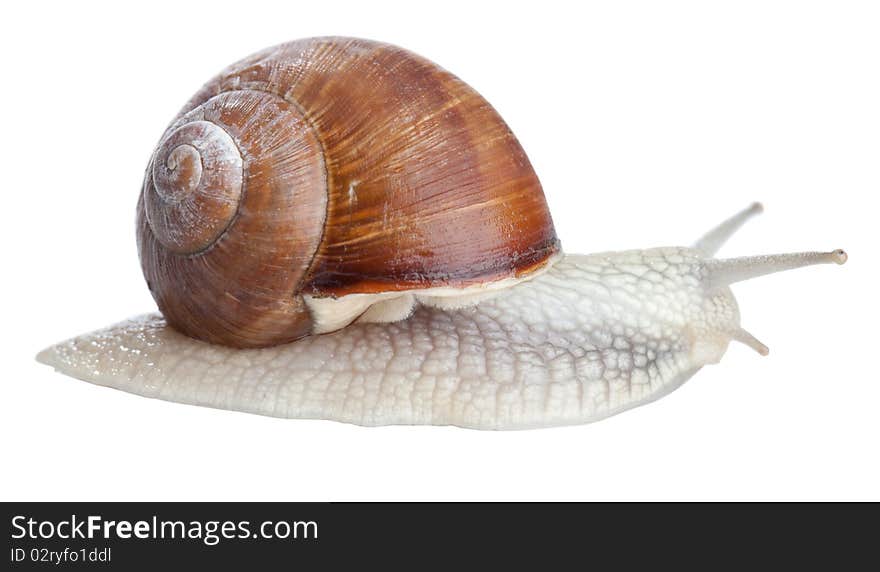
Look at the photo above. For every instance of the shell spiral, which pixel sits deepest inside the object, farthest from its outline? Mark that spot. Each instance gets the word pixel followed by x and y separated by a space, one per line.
pixel 327 167
pixel 196 187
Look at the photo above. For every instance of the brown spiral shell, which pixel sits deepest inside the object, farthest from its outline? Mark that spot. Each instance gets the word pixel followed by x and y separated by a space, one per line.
pixel 327 167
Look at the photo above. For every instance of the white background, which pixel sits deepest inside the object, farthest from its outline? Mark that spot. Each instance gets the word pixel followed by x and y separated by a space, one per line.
pixel 647 124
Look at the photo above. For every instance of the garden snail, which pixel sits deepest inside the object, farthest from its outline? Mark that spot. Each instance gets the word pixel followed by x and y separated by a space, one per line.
pixel 336 228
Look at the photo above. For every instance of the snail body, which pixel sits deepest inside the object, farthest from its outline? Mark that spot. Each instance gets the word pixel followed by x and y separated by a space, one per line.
pixel 339 229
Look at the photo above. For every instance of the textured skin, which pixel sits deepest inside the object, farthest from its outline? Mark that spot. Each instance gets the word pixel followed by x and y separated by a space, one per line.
pixel 593 336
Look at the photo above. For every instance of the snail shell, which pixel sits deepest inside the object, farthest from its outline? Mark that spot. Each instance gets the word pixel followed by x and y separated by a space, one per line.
pixel 326 168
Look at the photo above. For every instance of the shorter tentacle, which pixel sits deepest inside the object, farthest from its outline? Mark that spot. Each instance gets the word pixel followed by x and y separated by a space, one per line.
pixel 727 271
pixel 748 339
pixel 713 240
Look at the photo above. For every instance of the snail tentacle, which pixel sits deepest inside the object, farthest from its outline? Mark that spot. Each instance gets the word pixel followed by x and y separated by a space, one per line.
pixel 711 242
pixel 728 271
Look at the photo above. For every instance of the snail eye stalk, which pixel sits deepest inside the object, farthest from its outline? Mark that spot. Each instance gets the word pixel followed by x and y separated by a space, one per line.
pixel 726 271
pixel 712 241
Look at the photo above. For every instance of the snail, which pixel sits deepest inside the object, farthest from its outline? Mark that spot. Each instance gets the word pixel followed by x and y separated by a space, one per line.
pixel 340 229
